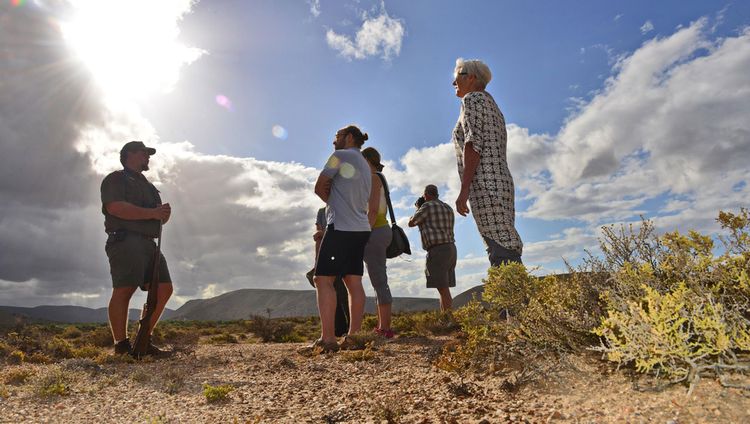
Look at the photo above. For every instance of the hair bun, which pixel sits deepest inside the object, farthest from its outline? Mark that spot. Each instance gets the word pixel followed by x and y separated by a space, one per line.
pixel 365 137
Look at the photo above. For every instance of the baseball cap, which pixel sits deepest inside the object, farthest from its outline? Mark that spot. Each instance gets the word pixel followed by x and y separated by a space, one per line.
pixel 136 145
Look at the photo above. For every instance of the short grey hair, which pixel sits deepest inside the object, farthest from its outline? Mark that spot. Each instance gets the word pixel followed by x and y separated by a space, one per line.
pixel 474 67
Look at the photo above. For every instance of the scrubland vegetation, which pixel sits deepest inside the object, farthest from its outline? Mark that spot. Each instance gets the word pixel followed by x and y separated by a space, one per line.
pixel 675 307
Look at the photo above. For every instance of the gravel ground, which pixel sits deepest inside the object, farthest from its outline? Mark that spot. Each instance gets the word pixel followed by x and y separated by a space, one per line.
pixel 398 383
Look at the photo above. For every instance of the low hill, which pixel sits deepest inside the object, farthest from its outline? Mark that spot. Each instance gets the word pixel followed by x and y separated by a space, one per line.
pixel 237 304
pixel 241 304
pixel 63 313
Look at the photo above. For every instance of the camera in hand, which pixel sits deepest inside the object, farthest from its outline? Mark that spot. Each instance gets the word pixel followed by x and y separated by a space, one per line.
pixel 420 202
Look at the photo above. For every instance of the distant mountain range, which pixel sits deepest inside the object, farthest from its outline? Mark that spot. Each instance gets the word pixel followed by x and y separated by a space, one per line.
pixel 238 304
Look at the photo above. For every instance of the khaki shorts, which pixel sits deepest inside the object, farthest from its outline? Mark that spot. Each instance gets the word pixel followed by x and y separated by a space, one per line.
pixel 441 266
pixel 131 261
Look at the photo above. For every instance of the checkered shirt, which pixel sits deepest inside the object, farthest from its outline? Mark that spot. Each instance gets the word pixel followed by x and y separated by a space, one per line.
pixel 435 221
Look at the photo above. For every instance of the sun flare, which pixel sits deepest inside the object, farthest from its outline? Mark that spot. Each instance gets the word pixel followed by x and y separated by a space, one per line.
pixel 131 47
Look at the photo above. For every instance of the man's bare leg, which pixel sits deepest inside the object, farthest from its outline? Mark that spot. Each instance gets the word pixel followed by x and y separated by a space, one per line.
pixel 118 312
pixel 326 295
pixel 162 297
pixel 356 302
pixel 446 302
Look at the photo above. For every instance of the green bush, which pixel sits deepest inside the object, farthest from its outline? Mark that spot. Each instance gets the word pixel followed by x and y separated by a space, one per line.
pixel 520 315
pixel 216 393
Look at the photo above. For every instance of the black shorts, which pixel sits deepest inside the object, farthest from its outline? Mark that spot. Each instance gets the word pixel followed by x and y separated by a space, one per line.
pixel 341 253
pixel 131 261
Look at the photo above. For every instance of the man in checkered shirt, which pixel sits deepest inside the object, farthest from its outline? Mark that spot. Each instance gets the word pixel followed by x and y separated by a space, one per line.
pixel 435 220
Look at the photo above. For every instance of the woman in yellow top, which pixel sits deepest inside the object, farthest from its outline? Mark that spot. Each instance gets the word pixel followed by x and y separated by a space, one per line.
pixel 380 238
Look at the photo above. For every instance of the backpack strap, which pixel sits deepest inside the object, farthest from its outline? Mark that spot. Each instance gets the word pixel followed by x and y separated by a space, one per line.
pixel 387 197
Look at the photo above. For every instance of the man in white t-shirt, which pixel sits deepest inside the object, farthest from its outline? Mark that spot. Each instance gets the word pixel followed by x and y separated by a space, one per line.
pixel 344 184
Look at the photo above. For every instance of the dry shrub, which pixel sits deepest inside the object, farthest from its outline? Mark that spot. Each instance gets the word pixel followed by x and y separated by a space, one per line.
pixel 223 338
pixel 18 376
pixel 362 355
pixel 55 382
pixel 71 332
pixel 59 348
pixel 100 336
pixel 429 323
pixel 273 330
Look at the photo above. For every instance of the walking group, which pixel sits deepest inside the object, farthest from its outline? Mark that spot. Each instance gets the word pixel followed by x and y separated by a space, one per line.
pixel 352 230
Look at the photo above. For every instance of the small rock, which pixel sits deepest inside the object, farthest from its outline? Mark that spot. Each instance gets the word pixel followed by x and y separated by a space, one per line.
pixel 555 415
pixel 484 421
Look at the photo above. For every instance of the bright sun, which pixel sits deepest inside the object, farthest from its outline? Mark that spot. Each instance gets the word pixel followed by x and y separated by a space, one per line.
pixel 130 46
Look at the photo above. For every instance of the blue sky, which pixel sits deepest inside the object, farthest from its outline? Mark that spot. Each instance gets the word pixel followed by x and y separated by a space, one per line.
pixel 615 110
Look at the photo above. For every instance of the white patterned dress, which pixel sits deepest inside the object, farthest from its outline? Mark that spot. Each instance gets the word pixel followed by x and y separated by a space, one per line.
pixel 491 195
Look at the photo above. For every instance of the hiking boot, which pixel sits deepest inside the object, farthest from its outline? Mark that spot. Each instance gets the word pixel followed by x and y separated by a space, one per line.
pixel 123 347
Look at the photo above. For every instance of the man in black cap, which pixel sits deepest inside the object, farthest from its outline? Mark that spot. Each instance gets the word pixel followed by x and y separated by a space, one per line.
pixel 132 211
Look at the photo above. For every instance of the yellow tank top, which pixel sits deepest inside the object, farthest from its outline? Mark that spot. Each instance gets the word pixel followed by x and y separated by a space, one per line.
pixel 380 219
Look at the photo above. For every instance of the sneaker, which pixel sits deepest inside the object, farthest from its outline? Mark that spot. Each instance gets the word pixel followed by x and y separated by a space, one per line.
pixel 319 346
pixel 153 350
pixel 388 334
pixel 350 344
pixel 123 347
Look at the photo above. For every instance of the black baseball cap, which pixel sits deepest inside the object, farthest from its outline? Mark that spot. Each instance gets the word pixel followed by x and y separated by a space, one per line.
pixel 136 145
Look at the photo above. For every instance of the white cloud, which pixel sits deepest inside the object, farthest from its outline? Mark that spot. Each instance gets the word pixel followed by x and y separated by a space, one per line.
pixel 663 125
pixel 314 7
pixel 647 27
pixel 379 36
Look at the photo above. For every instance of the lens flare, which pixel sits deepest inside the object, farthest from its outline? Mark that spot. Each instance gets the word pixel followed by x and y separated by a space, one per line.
pixel 223 101
pixel 17 3
pixel 347 170
pixel 279 132
pixel 333 162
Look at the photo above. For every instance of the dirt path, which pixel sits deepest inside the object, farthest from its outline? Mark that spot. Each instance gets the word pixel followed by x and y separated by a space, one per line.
pixel 273 383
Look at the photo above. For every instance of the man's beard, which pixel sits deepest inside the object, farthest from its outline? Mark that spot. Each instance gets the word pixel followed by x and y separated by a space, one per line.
pixel 144 167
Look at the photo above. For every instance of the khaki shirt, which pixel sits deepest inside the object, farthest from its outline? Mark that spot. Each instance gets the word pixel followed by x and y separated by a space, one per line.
pixel 134 188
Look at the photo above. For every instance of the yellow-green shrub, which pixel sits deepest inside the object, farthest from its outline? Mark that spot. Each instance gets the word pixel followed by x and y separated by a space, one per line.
pixel 216 393
pixel 684 311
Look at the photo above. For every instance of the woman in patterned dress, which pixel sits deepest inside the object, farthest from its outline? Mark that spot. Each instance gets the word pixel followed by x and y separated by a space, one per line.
pixel 480 140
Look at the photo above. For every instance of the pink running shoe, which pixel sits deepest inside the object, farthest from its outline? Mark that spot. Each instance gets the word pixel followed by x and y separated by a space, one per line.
pixel 388 334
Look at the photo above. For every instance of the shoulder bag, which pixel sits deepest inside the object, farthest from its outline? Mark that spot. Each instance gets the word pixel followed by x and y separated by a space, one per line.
pixel 399 242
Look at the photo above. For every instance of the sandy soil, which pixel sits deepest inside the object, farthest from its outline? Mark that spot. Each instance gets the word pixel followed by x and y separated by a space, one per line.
pixel 399 383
